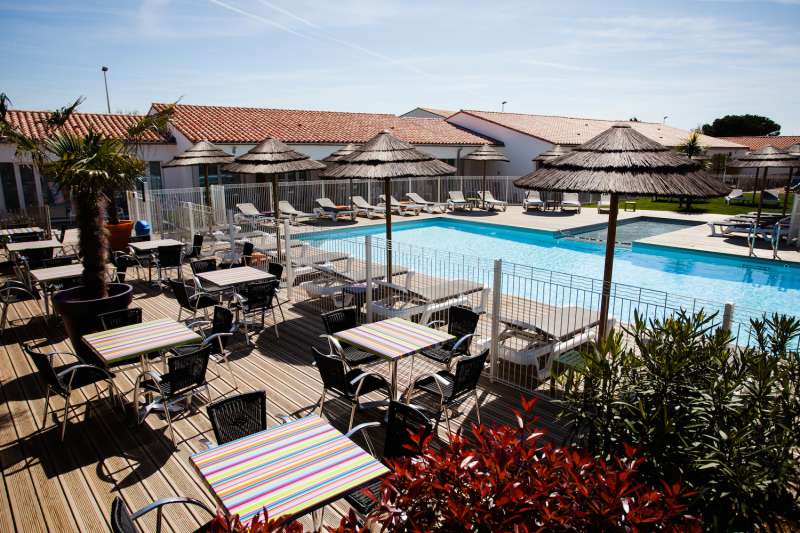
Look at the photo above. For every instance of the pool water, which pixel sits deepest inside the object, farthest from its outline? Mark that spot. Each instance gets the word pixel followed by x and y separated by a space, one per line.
pixel 748 283
pixel 633 229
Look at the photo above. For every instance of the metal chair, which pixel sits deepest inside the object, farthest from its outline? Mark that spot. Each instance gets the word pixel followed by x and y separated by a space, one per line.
pixel 186 374
pixel 453 388
pixel 122 262
pixel 347 385
pixel 222 329
pixel 238 416
pixel 36 257
pixel 257 297
pixel 62 260
pixel 169 258
pixel 12 292
pixel 462 324
pixel 120 318
pixel 64 379
pixel 402 421
pixel 276 269
pixel 197 247
pixel 144 259
pixel 191 299
pixel 123 521
pixel 200 266
pixel 339 320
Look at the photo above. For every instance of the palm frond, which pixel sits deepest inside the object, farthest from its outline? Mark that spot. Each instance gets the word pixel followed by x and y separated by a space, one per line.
pixel 156 122
pixel 5 105
pixel 59 117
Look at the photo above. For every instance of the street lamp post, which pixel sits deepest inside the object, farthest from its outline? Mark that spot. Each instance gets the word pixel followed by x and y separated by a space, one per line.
pixel 105 81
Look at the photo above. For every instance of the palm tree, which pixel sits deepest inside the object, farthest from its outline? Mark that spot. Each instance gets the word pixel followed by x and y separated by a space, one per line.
pixel 693 149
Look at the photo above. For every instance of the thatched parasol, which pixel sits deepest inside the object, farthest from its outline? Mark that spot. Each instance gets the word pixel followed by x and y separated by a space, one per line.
pixel 201 154
pixel 766 158
pixel 556 151
pixel 385 157
pixel 272 157
pixel 621 161
pixel 486 153
pixel 336 156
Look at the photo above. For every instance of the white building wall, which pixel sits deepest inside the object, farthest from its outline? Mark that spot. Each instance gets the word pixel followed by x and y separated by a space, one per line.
pixel 518 147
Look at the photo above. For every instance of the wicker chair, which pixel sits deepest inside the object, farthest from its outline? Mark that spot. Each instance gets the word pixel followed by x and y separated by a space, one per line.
pixel 347 385
pixel 190 298
pixel 453 388
pixel 12 292
pixel 462 324
pixel 255 298
pixel 169 258
pixel 276 269
pixel 123 521
pixel 197 247
pixel 217 336
pixel 340 320
pixel 238 416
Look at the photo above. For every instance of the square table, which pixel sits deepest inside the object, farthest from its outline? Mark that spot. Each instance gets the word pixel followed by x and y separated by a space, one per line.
pixel 230 277
pixel 393 339
pixel 20 247
pixel 146 246
pixel 46 276
pixel 127 342
pixel 291 469
pixel 8 232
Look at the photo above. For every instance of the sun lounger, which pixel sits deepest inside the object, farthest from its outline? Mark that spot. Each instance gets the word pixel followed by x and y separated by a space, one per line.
pixel 456 200
pixel 493 203
pixel 363 207
pixel 425 300
pixel 308 256
pixel 294 216
pixel 401 208
pixel 248 211
pixel 769 197
pixel 430 207
pixel 333 280
pixel 605 203
pixel 570 200
pixel 532 200
pixel 330 210
pixel 734 196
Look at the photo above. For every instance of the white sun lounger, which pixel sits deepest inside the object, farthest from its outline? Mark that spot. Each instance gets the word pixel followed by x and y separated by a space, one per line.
pixel 734 196
pixel 333 280
pixel 400 208
pixel 424 301
pixel 363 207
pixel 430 207
pixel 570 200
pixel 330 210
pixel 605 202
pixel 489 199
pixel 250 213
pixel 456 200
pixel 288 211
pixel 532 200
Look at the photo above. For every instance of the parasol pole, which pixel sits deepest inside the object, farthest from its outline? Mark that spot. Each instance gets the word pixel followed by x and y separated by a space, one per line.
pixel 786 192
pixel 611 238
pixel 387 191
pixel 276 213
pixel 761 196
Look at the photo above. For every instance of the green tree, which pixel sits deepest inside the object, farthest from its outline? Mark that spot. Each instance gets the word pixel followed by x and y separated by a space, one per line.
pixel 742 125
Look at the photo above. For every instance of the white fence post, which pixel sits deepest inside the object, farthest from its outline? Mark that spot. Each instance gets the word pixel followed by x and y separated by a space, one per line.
pixel 188 207
pixel 368 260
pixel 148 206
pixel 497 296
pixel 287 239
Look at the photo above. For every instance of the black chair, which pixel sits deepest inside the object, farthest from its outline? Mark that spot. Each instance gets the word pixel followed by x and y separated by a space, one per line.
pixel 191 299
pixel 64 379
pixel 340 320
pixel 462 324
pixel 238 416
pixel 186 373
pixel 452 388
pixel 120 318
pixel 144 259
pixel 247 253
pixel 276 269
pixel 255 298
pixel 169 258
pixel 197 247
pixel 62 232
pixel 12 292
pixel 123 262
pixel 402 422
pixel 217 337
pixel 25 237
pixel 123 521
pixel 201 266
pixel 36 257
pixel 347 385
pixel 62 260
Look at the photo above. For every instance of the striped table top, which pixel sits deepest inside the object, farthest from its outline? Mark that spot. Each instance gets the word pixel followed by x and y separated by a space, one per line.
pixel 130 341
pixel 290 469
pixel 144 246
pixel 393 338
pixel 20 231
pixel 235 276
pixel 32 245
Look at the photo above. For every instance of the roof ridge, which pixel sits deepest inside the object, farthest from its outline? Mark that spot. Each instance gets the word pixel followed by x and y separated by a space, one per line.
pixel 84 113
pixel 562 116
pixel 207 106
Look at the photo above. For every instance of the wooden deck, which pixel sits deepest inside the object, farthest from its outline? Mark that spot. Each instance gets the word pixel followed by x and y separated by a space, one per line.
pixel 53 486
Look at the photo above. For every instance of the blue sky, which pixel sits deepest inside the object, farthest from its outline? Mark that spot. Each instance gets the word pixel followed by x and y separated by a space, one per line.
pixel 690 60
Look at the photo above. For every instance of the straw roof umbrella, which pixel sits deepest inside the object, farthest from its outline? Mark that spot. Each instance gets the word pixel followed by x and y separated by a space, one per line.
pixel 201 154
pixel 556 151
pixel 385 157
pixel 621 161
pixel 272 157
pixel 338 155
pixel 766 158
pixel 486 153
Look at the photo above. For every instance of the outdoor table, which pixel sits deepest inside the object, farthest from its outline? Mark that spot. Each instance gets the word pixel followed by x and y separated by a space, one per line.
pixel 22 247
pixel 10 232
pixel 232 277
pixel 393 339
pixel 291 470
pixel 120 344
pixel 146 246
pixel 46 276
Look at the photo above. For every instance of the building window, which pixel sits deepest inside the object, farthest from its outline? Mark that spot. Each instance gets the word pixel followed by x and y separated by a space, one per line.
pixel 28 180
pixel 9 186
pixel 216 176
pixel 154 173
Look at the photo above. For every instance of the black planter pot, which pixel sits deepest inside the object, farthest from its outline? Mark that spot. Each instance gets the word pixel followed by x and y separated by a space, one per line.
pixel 80 314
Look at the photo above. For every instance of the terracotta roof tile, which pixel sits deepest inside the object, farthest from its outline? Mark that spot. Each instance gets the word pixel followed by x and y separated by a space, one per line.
pixel 115 126
pixel 761 141
pixel 574 131
pixel 220 124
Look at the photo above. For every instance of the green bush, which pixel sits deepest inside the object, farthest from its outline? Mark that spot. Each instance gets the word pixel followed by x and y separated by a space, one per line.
pixel 723 419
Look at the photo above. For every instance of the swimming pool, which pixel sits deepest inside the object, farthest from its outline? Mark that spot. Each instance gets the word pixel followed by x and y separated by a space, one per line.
pixel 633 229
pixel 748 283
